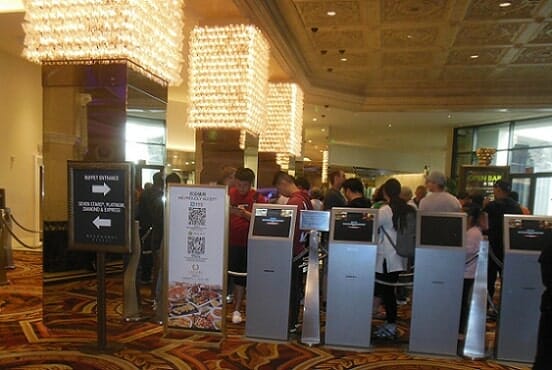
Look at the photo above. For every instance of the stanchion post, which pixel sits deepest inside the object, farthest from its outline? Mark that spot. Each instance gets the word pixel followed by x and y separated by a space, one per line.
pixel 131 290
pixel 3 234
pixel 474 345
pixel 8 241
pixel 310 334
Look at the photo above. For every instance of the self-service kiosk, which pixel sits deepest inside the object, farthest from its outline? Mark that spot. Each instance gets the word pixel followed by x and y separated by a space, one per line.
pixel 438 281
pixel 518 320
pixel 269 261
pixel 351 273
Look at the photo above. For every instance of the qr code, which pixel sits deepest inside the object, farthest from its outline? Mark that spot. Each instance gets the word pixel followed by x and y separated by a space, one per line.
pixel 197 216
pixel 196 245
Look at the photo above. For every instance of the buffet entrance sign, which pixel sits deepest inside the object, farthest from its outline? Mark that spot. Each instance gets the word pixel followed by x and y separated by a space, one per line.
pixel 197 237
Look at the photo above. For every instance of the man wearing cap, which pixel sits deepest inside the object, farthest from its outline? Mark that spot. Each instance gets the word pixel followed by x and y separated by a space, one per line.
pixel 501 205
pixel 438 200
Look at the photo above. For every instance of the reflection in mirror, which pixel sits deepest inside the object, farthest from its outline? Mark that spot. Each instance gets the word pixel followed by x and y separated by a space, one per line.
pixel 103 112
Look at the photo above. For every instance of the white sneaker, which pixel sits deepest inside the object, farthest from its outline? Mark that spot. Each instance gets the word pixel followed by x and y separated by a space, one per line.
pixel 236 317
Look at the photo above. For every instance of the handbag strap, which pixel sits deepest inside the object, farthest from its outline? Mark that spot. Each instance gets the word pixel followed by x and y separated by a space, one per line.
pixel 388 237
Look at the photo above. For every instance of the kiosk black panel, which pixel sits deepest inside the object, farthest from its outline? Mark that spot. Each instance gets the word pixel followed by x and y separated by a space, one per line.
pixel 354 226
pixel 272 222
pixel 529 234
pixel 441 231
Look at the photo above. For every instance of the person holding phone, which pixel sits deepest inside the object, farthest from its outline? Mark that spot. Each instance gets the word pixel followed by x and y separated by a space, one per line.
pixel 242 196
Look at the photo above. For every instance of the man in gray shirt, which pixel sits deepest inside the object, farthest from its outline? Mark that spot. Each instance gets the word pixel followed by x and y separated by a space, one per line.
pixel 439 200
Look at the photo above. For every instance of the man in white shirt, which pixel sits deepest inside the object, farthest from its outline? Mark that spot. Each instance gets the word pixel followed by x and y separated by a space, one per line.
pixel 438 200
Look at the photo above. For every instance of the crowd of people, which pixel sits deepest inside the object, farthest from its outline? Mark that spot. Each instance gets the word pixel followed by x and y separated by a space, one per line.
pixel 393 201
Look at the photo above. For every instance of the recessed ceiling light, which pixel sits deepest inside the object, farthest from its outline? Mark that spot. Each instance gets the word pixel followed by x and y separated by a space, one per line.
pixel 474 56
pixel 169 165
pixel 323 129
pixel 187 163
pixel 343 59
pixel 193 162
pixel 505 4
pixel 331 13
pixel 314 119
pixel 389 125
pixel 309 141
pixel 409 36
pixel 449 116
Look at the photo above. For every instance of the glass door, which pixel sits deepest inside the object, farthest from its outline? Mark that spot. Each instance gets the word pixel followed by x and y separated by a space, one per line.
pixel 535 192
pixel 542 204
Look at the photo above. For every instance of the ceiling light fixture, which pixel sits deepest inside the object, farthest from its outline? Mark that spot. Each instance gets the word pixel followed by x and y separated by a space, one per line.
pixel 331 13
pixel 505 4
pixel 314 119
pixel 228 78
pixel 147 35
pixel 283 130
pixel 343 59
pixel 474 56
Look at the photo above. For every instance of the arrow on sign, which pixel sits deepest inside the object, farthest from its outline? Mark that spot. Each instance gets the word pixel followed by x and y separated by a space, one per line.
pixel 101 222
pixel 101 189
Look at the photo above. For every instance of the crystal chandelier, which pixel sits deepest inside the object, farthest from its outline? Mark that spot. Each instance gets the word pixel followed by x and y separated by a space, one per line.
pixel 148 35
pixel 228 78
pixel 283 132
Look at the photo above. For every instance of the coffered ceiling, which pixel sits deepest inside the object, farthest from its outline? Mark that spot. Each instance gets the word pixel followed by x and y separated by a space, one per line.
pixel 389 55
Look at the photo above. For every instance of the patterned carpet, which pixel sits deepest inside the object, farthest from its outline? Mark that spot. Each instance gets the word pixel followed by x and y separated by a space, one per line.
pixel 65 338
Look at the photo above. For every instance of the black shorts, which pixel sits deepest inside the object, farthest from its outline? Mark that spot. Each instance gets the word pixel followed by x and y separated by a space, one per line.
pixel 237 262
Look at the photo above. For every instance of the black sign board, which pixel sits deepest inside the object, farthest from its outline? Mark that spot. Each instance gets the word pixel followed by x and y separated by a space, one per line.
pixel 272 222
pixel 354 226
pixel 480 179
pixel 100 206
pixel 529 234
pixel 441 231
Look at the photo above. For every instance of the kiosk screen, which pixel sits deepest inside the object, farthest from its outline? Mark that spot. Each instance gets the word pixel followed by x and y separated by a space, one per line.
pixel 272 222
pixel 354 226
pixel 438 231
pixel 529 235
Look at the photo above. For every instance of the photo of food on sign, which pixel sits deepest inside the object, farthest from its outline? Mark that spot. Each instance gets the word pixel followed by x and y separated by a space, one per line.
pixel 195 306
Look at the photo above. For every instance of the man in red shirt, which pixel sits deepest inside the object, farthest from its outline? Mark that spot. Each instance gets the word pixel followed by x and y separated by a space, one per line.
pixel 286 186
pixel 242 197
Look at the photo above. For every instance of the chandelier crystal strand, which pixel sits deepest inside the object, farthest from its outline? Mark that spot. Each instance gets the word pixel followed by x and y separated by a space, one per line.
pixel 228 78
pixel 145 33
pixel 284 129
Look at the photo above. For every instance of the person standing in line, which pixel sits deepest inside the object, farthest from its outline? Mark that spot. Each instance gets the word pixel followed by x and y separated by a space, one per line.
pixel 543 358
pixel 439 200
pixel 150 217
pixel 419 194
pixel 406 195
pixel 333 197
pixel 501 205
pixel 388 263
pixel 354 193
pixel 316 199
pixel 227 177
pixel 287 187
pixel 242 197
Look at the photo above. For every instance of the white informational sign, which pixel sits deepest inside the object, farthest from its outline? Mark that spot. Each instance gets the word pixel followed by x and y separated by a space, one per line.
pixel 196 254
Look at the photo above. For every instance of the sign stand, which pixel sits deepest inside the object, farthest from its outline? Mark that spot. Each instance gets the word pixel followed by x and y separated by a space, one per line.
pixel 100 209
pixel 100 305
